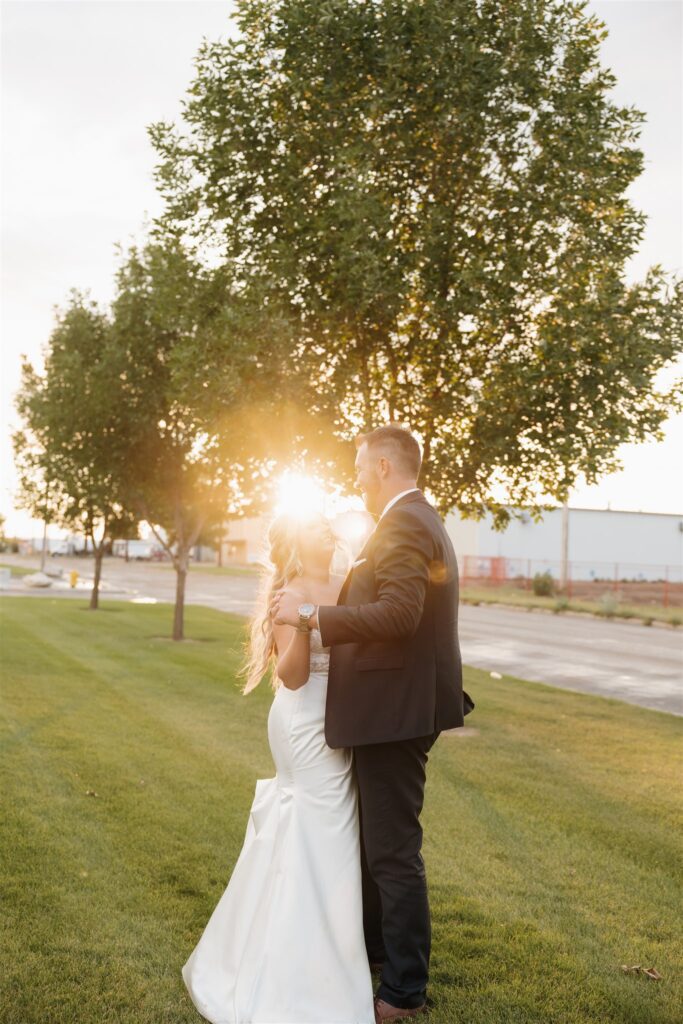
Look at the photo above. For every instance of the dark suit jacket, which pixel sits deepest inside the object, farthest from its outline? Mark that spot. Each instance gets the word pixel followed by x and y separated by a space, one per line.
pixel 395 667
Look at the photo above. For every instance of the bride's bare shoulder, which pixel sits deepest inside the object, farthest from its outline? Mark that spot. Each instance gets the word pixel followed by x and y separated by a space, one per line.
pixel 290 588
pixel 293 587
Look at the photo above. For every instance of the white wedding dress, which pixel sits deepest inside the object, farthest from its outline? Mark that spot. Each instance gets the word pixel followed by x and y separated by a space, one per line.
pixel 285 943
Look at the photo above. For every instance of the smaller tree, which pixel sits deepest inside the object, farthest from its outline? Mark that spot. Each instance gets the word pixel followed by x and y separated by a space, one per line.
pixel 71 449
pixel 3 539
pixel 190 459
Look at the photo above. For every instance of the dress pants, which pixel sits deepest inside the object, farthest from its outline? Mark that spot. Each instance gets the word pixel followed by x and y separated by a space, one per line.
pixel 396 920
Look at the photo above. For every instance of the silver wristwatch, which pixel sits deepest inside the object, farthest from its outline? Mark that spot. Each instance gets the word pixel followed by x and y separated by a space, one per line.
pixel 305 613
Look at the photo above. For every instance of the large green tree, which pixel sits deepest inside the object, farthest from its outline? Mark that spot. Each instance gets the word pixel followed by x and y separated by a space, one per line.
pixel 433 194
pixel 71 449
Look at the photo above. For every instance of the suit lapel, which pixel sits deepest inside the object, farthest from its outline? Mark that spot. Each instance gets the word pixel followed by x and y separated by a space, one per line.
pixel 412 496
pixel 347 581
pixel 345 587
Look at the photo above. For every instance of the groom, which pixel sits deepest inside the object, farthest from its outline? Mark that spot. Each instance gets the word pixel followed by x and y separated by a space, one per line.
pixel 395 682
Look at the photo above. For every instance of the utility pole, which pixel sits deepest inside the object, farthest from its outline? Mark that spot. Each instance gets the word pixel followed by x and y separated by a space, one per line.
pixel 565 547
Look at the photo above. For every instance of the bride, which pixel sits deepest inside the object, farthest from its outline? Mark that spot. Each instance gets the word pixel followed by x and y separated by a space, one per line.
pixel 285 942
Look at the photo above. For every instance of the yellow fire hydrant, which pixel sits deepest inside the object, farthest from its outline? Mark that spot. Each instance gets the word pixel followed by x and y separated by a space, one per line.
pixel 73 576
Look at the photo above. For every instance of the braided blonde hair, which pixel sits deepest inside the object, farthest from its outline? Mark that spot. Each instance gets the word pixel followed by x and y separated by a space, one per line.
pixel 283 566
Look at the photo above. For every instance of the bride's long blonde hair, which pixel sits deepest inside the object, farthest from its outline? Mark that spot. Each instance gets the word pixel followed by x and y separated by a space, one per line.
pixel 281 565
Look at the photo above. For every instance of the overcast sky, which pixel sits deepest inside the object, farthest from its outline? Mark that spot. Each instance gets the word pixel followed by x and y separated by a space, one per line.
pixel 82 80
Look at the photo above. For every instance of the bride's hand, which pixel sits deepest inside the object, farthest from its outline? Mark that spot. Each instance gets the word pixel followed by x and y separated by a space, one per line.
pixel 275 600
pixel 284 607
pixel 275 603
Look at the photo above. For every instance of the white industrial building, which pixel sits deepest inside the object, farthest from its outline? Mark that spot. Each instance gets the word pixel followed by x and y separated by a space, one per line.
pixel 601 544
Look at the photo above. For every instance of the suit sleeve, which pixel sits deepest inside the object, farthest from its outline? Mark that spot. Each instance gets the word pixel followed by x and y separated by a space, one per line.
pixel 402 554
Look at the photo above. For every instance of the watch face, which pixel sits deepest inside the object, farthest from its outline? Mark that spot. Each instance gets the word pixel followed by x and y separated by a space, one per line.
pixel 306 610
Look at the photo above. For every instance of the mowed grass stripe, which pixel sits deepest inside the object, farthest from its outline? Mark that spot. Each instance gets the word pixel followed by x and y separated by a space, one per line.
pixel 550 832
pixel 564 846
pixel 101 716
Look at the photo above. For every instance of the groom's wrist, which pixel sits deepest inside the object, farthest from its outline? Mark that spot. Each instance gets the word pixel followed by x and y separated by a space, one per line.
pixel 313 621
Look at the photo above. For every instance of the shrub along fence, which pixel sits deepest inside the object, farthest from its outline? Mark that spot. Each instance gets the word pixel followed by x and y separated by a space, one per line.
pixel 629 583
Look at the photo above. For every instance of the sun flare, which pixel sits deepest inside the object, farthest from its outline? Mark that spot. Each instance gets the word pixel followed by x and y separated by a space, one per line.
pixel 305 497
pixel 300 495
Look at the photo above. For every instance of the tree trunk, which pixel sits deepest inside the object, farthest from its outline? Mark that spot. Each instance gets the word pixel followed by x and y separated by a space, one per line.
pixel 179 611
pixel 95 592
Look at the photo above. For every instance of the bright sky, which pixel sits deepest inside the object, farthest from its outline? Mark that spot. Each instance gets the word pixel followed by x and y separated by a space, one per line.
pixel 82 80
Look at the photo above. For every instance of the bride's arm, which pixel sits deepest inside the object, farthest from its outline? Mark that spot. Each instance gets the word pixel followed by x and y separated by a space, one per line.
pixel 293 655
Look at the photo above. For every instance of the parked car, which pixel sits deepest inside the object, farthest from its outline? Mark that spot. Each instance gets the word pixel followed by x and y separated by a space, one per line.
pixel 63 547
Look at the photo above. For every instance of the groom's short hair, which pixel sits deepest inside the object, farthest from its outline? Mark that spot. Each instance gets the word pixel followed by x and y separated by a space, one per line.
pixel 399 444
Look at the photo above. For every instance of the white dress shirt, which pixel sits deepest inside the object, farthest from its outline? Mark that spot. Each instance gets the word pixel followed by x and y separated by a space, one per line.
pixel 395 499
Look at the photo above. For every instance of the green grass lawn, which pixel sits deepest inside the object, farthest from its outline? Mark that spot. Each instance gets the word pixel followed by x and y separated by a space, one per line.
pixel 17 570
pixel 518 597
pixel 552 829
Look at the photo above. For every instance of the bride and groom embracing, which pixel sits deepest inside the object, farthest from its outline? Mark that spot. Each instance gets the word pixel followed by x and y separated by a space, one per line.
pixel 330 884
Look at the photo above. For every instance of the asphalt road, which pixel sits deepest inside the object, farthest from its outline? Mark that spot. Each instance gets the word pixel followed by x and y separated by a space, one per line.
pixel 627 661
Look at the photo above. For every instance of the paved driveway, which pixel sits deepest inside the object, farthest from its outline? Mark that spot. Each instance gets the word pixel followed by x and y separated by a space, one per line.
pixel 631 662
pixel 635 663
